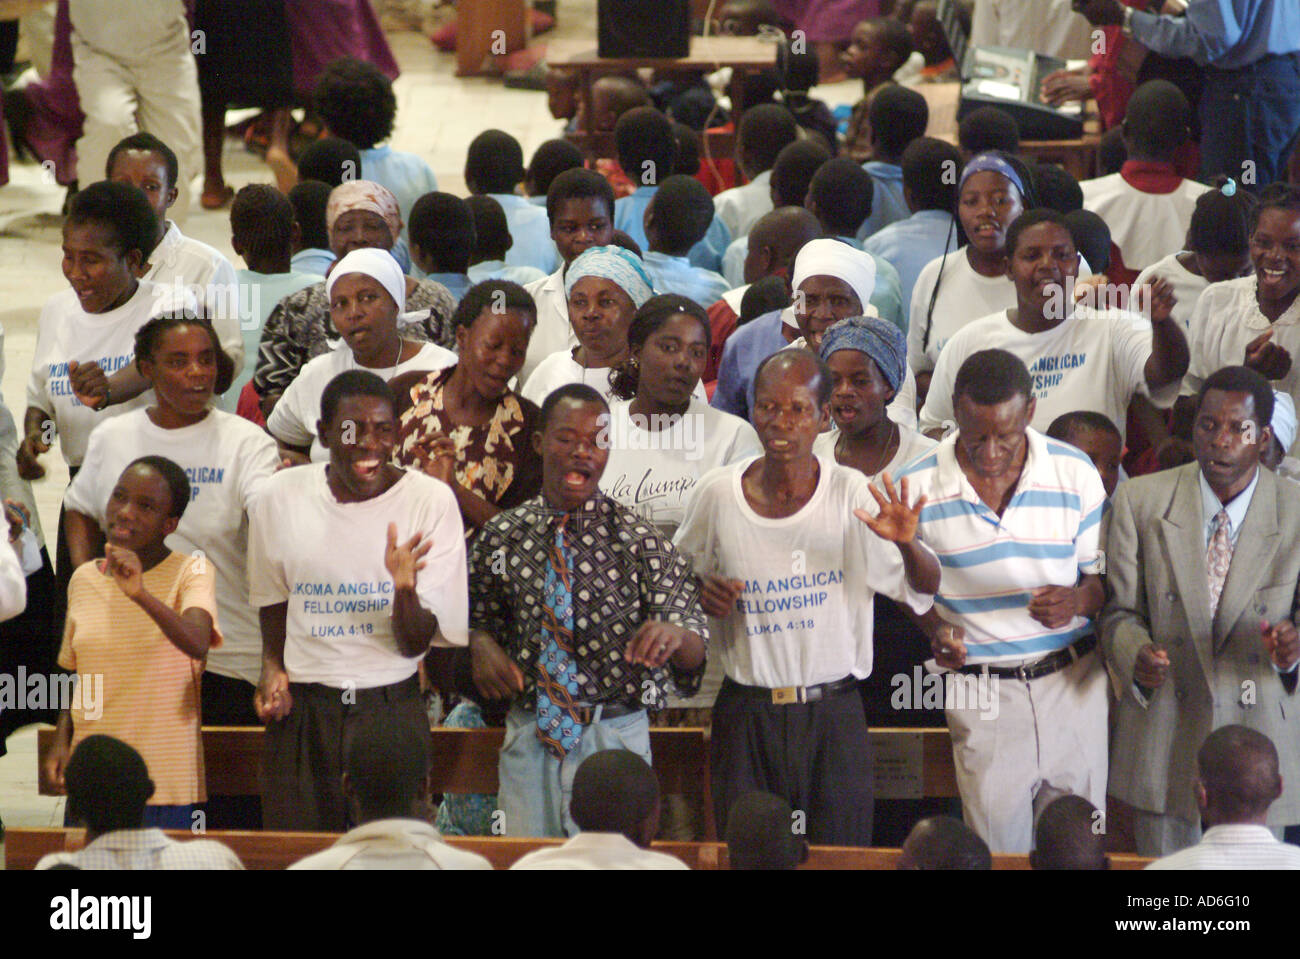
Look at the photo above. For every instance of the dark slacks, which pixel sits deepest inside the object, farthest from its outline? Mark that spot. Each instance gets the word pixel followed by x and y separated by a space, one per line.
pixel 302 760
pixel 1251 114
pixel 814 755
pixel 229 702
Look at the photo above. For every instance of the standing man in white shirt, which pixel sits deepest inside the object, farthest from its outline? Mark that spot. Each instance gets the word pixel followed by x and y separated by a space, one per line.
pixel 1050 27
pixel 790 579
pixel 1237 779
pixel 1015 518
pixel 346 620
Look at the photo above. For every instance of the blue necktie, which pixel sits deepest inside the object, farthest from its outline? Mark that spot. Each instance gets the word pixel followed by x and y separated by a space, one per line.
pixel 558 726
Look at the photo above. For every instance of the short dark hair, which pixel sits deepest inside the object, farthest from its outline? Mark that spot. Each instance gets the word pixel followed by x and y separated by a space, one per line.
pixel 494 162
pixel 550 160
pixel 760 833
pixel 1075 422
pixel 150 335
pixel 261 217
pixel 578 392
pixel 1033 218
pixel 178 484
pixel 1111 152
pixel 108 784
pixel 768 294
pixel 1275 196
pixel 578 184
pixel 646 144
pixel 331 160
pixel 489 293
pixel 148 143
pixel 990 377
pixel 988 128
pixel 492 238
pixel 1091 237
pixel 1241 379
pixel 688 149
pixel 387 766
pixel 793 171
pixel 309 199
pixel 764 130
pixel 683 211
pixel 122 208
pixel 624 239
pixel 931 169
pixel 1057 188
pixel 790 357
pixel 942 842
pixel 898 115
pixel 842 192
pixel 648 320
pixel 799 70
pixel 1238 767
pixel 894 37
pixel 1221 224
pixel 349 384
pixel 442 226
pixel 356 101
pixel 1157 120
pixel 614 790
pixel 1066 836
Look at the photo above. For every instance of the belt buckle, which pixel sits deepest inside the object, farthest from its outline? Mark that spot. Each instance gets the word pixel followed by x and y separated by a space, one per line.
pixel 1022 673
pixel 785 695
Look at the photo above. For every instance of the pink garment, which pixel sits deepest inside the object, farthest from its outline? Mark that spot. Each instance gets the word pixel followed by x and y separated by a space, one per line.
pixel 826 21
pixel 56 118
pixel 321 31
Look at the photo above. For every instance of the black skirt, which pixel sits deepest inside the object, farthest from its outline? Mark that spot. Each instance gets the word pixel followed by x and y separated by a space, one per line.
pixel 243 53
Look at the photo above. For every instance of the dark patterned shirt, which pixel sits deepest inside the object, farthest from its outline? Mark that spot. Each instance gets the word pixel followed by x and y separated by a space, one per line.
pixel 624 573
pixel 299 329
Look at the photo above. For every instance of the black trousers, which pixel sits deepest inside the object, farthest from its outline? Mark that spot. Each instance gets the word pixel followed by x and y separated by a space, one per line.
pixel 229 702
pixel 302 759
pixel 816 756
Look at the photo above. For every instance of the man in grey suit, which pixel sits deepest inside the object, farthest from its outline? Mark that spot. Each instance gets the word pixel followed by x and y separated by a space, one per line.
pixel 1199 622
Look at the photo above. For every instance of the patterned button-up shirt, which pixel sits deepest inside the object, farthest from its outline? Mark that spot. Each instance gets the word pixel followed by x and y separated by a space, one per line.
pixel 145 849
pixel 299 329
pixel 624 573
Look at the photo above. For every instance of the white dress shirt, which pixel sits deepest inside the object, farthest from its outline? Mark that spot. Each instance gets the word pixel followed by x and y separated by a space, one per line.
pixel 598 850
pixel 1235 846
pixel 145 849
pixel 393 844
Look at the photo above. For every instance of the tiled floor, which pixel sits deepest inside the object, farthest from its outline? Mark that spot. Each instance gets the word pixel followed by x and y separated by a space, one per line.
pixel 438 115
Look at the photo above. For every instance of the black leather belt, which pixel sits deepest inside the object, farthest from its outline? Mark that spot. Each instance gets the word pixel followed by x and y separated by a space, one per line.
pixel 1051 663
pixel 611 711
pixel 792 695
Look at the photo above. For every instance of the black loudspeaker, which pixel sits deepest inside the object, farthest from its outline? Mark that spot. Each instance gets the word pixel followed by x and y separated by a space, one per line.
pixel 634 29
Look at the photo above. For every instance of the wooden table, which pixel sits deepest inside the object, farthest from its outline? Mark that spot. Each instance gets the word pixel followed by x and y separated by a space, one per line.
pixel 745 55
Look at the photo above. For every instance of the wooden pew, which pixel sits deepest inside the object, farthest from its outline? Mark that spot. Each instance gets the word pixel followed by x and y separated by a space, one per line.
pixel 267 850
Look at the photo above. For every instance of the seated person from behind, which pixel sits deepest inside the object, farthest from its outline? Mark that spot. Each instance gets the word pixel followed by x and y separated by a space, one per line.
pixel 1070 834
pixel 616 807
pixel 761 834
pixel 677 218
pixel 942 842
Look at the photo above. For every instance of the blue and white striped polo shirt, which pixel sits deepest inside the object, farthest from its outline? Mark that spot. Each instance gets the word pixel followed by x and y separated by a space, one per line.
pixel 1049 535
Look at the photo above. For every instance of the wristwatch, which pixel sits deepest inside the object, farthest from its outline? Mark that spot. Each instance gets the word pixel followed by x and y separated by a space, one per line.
pixel 1126 25
pixel 104 404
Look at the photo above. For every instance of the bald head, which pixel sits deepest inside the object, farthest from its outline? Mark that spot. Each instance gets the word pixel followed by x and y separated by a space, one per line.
pixel 1069 836
pixel 612 96
pixel 776 240
pixel 615 790
pixel 793 368
pixel 942 842
pixel 1238 777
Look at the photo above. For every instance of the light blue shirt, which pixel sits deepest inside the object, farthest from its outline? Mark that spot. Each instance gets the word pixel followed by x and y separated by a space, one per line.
pixel 674 274
pixel 457 284
pixel 1210 507
pixel 259 293
pixel 629 216
pixel 912 243
pixel 530 233
pixel 312 260
pixel 749 346
pixel 1225 34
pixel 499 270
pixel 405 175
pixel 887 203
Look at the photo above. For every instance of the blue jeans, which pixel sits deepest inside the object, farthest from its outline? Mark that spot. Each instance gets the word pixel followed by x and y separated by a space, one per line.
pixel 535 786
pixel 1251 114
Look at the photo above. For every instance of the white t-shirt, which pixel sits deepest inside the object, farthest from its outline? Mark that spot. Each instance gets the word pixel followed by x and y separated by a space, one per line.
pixel 326 560
pixel 554 331
pixel 66 332
pixel 1188 287
pixel 1095 360
pixel 805 616
pixel 1145 226
pixel 1227 317
pixel 911 445
pixel 227 459
pixel 561 368
pixel 964 296
pixel 293 421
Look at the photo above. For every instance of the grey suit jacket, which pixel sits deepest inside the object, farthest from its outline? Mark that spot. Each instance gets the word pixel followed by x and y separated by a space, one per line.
pixel 1220 672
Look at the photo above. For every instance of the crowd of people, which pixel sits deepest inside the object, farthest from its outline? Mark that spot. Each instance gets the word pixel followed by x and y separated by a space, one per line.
pixel 603 447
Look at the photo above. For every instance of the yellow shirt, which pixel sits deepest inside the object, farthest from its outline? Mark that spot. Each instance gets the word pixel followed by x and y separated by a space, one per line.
pixel 148 689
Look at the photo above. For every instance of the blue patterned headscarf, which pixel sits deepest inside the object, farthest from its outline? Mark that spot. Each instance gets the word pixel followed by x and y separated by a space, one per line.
pixel 615 264
pixel 993 163
pixel 879 339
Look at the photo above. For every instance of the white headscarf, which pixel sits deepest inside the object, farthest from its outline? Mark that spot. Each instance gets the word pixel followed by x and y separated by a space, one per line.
pixel 1284 419
pixel 834 258
pixel 375 263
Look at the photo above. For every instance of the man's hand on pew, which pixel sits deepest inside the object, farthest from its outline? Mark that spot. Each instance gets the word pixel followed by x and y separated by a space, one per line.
pixel 496 675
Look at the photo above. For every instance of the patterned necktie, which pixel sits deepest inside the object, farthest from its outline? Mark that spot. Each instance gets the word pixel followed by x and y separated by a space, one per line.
pixel 1218 556
pixel 558 726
